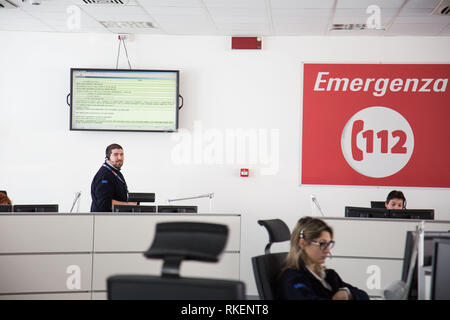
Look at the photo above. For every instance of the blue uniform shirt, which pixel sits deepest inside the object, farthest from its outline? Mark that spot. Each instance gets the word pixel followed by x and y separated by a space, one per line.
pixel 105 187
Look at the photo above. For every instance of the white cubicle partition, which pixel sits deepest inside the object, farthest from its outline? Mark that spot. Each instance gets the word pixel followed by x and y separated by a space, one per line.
pixel 70 256
pixel 369 252
pixel 120 240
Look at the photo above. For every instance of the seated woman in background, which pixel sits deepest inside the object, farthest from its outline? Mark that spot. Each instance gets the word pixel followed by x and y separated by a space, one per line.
pixel 395 200
pixel 303 276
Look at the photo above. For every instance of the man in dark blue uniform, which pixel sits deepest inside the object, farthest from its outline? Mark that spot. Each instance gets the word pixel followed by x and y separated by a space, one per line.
pixel 108 187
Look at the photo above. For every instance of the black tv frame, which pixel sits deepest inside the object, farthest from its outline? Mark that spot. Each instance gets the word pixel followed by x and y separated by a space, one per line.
pixel 131 208
pixel 177 209
pixel 177 72
pixel 35 208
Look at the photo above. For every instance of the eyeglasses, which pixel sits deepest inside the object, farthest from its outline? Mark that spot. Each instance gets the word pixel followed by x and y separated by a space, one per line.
pixel 324 245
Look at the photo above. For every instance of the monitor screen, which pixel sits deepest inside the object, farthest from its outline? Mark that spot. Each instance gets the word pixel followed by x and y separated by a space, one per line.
pixel 5 208
pixel 360 212
pixel 177 209
pixel 428 244
pixel 141 197
pixel 422 214
pixel 35 208
pixel 124 100
pixel 130 208
pixel 377 204
pixel 440 276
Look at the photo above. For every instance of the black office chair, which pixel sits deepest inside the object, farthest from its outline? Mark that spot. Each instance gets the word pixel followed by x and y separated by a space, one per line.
pixel 175 242
pixel 267 267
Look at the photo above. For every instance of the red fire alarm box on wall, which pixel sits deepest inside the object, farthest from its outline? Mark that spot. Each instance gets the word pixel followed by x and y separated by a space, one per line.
pixel 245 172
pixel 246 43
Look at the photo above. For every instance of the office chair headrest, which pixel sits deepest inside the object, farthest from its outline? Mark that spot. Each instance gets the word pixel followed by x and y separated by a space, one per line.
pixel 178 241
pixel 278 231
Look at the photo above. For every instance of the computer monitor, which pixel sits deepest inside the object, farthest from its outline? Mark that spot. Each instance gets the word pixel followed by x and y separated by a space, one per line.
pixel 428 244
pixel 129 208
pixel 361 212
pixel 377 204
pixel 141 197
pixel 5 208
pixel 177 209
pixel 440 275
pixel 35 208
pixel 420 214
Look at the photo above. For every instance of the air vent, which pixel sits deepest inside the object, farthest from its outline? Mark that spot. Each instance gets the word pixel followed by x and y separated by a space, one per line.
pixel 127 24
pixel 442 9
pixel 352 26
pixel 348 26
pixel 105 2
pixel 5 4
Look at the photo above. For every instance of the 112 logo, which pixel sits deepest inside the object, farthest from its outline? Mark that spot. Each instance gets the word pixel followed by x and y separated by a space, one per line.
pixel 377 142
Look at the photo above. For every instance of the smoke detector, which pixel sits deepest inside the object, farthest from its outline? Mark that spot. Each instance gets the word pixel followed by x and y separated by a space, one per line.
pixel 442 9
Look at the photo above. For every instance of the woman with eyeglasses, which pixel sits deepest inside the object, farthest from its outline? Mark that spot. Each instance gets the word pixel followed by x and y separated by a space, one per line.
pixel 303 276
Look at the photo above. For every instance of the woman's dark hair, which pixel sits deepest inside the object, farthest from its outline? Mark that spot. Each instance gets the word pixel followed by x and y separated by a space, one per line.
pixel 110 148
pixel 4 199
pixel 395 194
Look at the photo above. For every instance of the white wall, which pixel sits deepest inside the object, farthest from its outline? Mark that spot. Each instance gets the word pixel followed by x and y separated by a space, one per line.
pixel 41 161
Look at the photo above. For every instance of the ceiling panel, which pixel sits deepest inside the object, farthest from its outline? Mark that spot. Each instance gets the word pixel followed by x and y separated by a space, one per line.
pixel 421 4
pixel 293 13
pixel 445 31
pixel 228 17
pixel 235 3
pixel 170 3
pixel 305 4
pixel 415 29
pixel 350 4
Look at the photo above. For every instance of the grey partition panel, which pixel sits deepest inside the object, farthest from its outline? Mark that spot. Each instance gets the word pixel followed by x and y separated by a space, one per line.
pixel 45 233
pixel 370 238
pixel 370 275
pixel 45 273
pixel 134 233
pixel 107 264
pixel 99 295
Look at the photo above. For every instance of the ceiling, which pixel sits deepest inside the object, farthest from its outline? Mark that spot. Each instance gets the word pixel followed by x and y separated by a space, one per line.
pixel 229 17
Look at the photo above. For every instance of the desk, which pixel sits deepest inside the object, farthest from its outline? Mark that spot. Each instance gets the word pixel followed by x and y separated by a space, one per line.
pixel 369 252
pixel 70 256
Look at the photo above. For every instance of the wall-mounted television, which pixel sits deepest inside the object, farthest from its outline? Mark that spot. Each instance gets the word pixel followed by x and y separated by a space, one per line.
pixel 124 100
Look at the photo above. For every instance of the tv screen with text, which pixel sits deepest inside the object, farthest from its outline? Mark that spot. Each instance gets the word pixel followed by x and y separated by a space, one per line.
pixel 124 100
